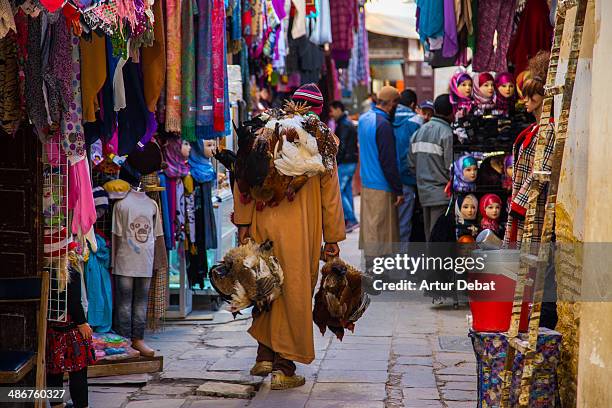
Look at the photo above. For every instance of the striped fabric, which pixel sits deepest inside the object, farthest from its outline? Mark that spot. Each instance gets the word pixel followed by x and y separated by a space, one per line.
pixel 56 241
pixel 309 93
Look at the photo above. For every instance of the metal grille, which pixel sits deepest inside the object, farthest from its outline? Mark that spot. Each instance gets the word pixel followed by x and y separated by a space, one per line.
pixel 57 232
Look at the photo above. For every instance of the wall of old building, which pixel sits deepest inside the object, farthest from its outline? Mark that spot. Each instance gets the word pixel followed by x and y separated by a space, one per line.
pixel 595 351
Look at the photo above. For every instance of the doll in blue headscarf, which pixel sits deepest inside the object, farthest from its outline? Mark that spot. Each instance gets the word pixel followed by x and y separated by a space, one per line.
pixel 465 171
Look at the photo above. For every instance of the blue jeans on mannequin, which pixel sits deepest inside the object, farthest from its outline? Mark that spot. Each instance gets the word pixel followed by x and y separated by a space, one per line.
pixel 345 175
pixel 130 313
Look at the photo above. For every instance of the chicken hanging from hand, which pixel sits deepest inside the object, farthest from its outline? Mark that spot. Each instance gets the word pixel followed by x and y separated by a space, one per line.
pixel 249 275
pixel 340 301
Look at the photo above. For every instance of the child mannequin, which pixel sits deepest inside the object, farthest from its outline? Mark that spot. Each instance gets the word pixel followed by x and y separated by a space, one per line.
pixel 69 346
pixel 465 171
pixel 504 99
pixel 466 210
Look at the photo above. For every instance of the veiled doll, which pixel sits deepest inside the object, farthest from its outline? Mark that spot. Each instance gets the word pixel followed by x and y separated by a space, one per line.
pixel 461 94
pixel 490 210
pixel 508 170
pixel 504 98
pixel 484 93
pixel 466 211
pixel 465 171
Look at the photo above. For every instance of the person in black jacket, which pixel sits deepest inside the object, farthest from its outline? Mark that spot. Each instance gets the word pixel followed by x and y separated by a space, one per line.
pixel 347 160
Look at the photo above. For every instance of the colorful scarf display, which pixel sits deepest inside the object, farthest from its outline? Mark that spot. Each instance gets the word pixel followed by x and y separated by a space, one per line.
pixel 173 58
pixel 204 115
pixel 460 102
pixel 188 68
pixel 219 67
pixel 481 100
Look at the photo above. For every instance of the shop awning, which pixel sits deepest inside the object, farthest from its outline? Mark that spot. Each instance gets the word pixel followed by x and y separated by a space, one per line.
pixel 395 18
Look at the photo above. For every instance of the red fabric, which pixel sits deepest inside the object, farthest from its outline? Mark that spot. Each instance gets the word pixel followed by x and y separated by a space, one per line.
pixel 534 33
pixel 526 135
pixel 518 209
pixel 67 351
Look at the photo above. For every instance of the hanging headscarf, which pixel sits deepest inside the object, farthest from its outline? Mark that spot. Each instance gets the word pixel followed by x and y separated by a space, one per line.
pixel 459 183
pixel 459 202
pixel 485 201
pixel 201 168
pixel 177 165
pixel 503 104
pixel 480 99
pixel 459 101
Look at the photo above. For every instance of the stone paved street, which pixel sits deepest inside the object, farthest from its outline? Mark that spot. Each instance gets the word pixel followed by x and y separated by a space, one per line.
pixel 412 355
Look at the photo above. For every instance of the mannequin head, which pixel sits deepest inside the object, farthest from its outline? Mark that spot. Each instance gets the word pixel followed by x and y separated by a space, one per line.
pixel 504 82
pixel 490 206
pixel 209 148
pixel 461 86
pixel 466 208
pixel 185 149
pixel 486 85
pixel 508 165
pixel 534 87
pixel 465 172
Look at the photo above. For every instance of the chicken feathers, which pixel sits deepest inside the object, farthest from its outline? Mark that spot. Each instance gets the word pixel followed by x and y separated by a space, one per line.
pixel 340 300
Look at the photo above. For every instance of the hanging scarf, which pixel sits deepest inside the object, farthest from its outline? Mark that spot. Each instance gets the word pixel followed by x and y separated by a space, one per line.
pixel 35 100
pixel 58 76
pixel 201 169
pixel 173 56
pixel 177 165
pixel 71 124
pixel 219 67
pixel 204 115
pixel 480 99
pixel 154 61
pixel 460 102
pixel 502 104
pixel 188 101
pixel 459 182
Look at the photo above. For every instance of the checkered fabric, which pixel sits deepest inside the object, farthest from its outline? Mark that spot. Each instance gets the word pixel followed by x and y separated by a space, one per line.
pixel 342 23
pixel 523 180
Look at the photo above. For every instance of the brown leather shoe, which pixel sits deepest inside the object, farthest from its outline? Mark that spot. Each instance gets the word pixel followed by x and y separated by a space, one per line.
pixel 281 381
pixel 140 345
pixel 261 368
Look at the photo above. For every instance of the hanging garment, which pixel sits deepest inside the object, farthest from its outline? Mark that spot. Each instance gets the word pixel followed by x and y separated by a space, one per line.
pixel 206 234
pixel 35 100
pixel 134 119
pixel 299 19
pixel 342 14
pixel 7 21
pixel 188 86
pixel 80 198
pixel 430 20
pixel 73 141
pixel 179 218
pixel 204 115
pixel 219 67
pixel 159 285
pixel 450 45
pixel 494 22
pixel 93 73
pixel 165 211
pixel 173 56
pixel 57 75
pixel 99 290
pixel 534 33
pixel 321 33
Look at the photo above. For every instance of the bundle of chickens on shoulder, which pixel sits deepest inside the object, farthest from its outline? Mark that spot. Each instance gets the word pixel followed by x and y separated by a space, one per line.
pixel 278 151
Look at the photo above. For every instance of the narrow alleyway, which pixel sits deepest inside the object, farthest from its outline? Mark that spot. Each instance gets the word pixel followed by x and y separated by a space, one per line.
pixel 412 355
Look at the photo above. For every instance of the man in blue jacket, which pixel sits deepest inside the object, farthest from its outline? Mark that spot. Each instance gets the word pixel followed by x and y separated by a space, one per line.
pixel 405 123
pixel 381 191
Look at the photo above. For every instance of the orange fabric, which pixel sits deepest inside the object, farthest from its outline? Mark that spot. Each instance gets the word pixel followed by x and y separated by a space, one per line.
pixel 93 73
pixel 297 229
pixel 154 61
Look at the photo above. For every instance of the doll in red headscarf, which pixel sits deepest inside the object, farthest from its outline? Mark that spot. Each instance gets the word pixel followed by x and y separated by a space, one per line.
pixel 490 210
pixel 505 93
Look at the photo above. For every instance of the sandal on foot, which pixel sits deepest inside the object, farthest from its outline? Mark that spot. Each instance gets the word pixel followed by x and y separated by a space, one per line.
pixel 281 381
pixel 262 368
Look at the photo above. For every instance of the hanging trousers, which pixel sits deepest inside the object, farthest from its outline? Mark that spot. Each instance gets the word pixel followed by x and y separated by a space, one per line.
pixel 493 15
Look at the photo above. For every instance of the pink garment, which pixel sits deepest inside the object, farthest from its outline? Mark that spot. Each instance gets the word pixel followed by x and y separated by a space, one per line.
pixel 218 66
pixel 80 198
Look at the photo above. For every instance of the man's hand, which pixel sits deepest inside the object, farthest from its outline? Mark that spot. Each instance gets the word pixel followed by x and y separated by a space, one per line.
pixel 330 251
pixel 85 331
pixel 398 200
pixel 243 234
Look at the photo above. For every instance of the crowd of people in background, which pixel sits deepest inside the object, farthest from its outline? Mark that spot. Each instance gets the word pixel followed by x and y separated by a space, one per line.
pixel 402 150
